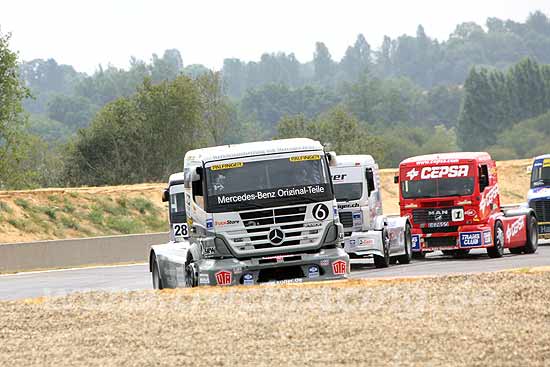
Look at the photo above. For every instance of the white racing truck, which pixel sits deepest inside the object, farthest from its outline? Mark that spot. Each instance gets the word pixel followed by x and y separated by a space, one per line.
pixel 367 232
pixel 251 214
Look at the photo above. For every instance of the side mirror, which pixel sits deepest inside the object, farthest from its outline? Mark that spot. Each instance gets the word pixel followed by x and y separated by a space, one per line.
pixel 165 196
pixel 331 156
pixel 369 175
pixel 196 174
pixel 395 179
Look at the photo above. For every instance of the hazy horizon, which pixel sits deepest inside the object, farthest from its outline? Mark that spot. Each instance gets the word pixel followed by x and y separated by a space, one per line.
pixel 85 34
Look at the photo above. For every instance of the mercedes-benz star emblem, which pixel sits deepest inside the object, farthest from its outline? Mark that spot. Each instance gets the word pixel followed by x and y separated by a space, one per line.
pixel 276 236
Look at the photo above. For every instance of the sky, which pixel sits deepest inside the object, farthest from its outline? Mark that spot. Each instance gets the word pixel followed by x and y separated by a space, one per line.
pixel 86 33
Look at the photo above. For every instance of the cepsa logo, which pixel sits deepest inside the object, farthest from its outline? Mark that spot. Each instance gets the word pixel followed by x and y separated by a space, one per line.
pixel 427 173
pixel 223 277
pixel 514 228
pixel 339 267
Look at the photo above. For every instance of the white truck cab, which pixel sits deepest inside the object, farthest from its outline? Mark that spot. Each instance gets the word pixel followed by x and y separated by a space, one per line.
pixel 255 213
pixel 367 231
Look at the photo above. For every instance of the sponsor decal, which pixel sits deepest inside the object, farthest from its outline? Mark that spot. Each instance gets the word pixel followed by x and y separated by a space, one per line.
pixel 248 279
pixel 268 194
pixel 487 237
pixel 415 242
pixel 436 161
pixel 320 212
pixel 204 279
pixel 488 198
pixel 324 262
pixel 223 277
pixel 541 190
pixel 313 271
pixel 345 206
pixel 310 225
pixel 438 225
pixel 218 167
pixel 286 281
pixel 238 270
pixel 209 223
pixel 339 267
pixel 470 213
pixel 432 172
pixel 226 222
pixel 470 239
pixel 546 162
pixel 544 228
pixel 313 157
pixel 341 177
pixel 514 228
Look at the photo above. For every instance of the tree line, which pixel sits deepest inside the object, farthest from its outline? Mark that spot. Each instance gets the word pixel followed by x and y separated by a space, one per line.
pixel 413 95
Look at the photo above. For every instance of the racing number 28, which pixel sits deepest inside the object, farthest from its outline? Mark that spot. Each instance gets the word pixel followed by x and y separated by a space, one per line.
pixel 181 230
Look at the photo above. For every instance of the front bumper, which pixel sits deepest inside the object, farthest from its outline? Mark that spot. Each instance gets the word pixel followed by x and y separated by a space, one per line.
pixel 364 244
pixel 466 237
pixel 292 268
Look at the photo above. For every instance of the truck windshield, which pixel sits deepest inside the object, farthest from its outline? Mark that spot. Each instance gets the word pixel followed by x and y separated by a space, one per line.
pixel 268 183
pixel 348 191
pixel 437 187
pixel 541 174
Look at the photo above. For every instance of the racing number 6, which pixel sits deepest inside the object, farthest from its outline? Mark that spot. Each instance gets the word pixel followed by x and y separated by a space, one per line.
pixel 320 212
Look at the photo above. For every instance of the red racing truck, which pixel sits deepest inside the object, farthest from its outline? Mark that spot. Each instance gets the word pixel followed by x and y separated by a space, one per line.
pixel 453 203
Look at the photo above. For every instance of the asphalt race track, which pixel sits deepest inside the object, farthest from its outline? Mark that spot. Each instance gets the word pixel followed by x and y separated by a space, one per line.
pixel 135 277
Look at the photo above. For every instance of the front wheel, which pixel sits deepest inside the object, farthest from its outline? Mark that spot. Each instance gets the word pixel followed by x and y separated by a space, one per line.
pixel 406 258
pixel 383 261
pixel 498 242
pixel 532 242
pixel 157 281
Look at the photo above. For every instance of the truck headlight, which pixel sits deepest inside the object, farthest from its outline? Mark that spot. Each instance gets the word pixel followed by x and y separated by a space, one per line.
pixel 332 233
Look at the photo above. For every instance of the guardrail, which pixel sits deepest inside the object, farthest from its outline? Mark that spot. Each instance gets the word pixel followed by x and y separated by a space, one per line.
pixel 54 254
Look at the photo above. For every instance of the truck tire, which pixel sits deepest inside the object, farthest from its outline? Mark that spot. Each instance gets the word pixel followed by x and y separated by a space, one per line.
pixel 532 242
pixel 406 257
pixel 191 277
pixel 157 281
pixel 383 261
pixel 497 250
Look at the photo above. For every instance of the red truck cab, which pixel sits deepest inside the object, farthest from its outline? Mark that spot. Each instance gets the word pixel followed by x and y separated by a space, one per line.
pixel 453 203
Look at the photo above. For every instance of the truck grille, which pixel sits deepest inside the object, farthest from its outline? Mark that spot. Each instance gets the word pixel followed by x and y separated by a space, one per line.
pixel 254 239
pixel 433 215
pixel 542 209
pixel 440 241
pixel 449 229
pixel 346 218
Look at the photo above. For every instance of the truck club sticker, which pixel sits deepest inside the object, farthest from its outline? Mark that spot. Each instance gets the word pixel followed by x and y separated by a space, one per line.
pixel 216 200
pixel 218 167
pixel 314 157
pixel 433 172
pixel 470 239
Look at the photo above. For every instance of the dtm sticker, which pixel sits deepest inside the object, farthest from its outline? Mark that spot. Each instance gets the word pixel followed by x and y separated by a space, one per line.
pixel 339 267
pixel 313 271
pixel 218 167
pixel 470 239
pixel 416 242
pixel 302 158
pixel 223 277
pixel 487 238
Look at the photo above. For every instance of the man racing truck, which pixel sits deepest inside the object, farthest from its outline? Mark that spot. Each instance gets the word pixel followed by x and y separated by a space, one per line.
pixel 453 202
pixel 538 197
pixel 254 213
pixel 367 232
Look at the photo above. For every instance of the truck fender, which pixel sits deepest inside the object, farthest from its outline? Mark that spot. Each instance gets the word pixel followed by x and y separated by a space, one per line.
pixel 379 222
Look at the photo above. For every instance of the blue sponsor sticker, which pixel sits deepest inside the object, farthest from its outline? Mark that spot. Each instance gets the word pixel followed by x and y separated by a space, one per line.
pixel 209 223
pixel 248 279
pixel 313 271
pixel 487 237
pixel 470 239
pixel 415 242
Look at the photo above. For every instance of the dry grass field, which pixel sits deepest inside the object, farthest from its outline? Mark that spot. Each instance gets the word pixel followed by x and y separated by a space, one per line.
pixel 497 319
pixel 84 212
